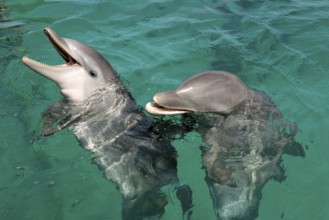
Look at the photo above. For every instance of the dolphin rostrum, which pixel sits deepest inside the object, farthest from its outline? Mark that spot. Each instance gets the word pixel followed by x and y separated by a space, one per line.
pixel 244 134
pixel 104 117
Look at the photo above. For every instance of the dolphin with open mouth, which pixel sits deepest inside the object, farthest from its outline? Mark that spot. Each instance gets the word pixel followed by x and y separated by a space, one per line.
pixel 104 117
pixel 244 136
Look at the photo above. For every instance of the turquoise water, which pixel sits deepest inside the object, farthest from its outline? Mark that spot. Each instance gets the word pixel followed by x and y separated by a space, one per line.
pixel 279 46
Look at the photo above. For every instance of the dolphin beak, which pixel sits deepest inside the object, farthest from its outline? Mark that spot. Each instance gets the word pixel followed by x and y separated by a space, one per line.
pixel 52 72
pixel 166 103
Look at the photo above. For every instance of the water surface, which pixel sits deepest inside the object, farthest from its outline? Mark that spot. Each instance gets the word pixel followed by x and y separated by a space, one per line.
pixel 280 47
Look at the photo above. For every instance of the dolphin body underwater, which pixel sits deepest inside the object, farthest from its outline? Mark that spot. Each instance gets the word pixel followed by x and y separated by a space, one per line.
pixel 244 134
pixel 104 117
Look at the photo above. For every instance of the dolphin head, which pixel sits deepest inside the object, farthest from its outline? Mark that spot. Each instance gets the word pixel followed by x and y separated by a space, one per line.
pixel 84 70
pixel 212 91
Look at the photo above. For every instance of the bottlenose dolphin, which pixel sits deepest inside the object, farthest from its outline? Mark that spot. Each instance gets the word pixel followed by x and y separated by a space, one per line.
pixel 244 134
pixel 106 120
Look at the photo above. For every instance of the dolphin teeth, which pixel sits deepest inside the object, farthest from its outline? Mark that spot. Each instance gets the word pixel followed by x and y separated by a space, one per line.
pixel 58 47
pixel 61 51
pixel 26 60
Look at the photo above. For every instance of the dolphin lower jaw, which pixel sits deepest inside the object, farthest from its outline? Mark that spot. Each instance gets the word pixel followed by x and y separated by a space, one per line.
pixel 50 72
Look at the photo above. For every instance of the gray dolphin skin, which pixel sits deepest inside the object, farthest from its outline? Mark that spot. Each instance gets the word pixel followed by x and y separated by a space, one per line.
pixel 244 136
pixel 126 143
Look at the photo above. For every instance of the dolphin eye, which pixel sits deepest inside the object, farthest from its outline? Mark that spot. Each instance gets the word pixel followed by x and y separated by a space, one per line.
pixel 92 73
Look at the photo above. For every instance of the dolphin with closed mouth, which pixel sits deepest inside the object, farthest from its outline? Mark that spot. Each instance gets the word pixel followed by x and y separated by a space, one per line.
pixel 244 134
pixel 104 117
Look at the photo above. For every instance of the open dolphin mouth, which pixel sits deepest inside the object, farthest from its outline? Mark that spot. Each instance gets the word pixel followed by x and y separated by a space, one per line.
pixel 55 41
pixel 62 50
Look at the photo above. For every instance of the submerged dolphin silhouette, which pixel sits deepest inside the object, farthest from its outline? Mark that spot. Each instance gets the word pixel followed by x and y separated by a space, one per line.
pixel 245 135
pixel 106 120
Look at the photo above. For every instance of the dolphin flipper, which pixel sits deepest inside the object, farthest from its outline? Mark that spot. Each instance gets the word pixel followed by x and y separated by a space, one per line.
pixel 184 195
pixel 57 117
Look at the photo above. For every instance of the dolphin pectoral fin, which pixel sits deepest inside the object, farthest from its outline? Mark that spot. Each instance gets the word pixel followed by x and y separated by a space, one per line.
pixel 184 195
pixel 57 117
pixel 294 148
pixel 62 124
